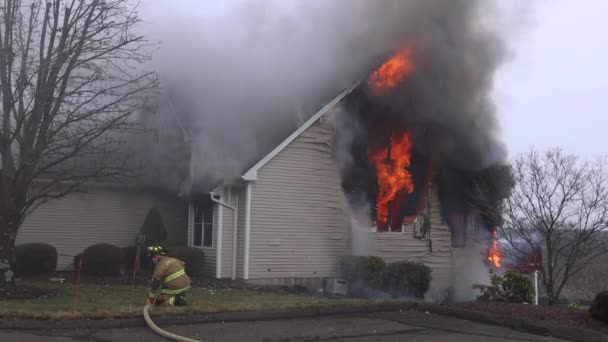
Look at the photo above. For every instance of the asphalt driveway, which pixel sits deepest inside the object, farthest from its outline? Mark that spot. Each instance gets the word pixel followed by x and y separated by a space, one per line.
pixel 390 326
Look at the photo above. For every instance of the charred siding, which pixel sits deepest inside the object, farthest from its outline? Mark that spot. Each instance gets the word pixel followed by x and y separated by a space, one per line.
pixel 435 252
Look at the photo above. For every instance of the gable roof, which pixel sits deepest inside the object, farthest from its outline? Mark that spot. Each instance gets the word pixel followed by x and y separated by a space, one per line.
pixel 252 173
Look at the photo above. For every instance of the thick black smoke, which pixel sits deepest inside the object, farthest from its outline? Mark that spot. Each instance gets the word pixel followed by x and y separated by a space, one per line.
pixel 239 76
pixel 446 105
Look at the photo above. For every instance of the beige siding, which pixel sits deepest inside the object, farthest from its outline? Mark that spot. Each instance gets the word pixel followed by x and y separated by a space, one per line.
pixel 435 252
pixel 110 215
pixel 211 252
pixel 240 256
pixel 297 222
pixel 231 198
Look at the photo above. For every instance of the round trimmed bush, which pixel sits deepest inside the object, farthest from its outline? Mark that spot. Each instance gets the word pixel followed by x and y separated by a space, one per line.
pixel 365 271
pixel 408 279
pixel 102 259
pixel 193 257
pixel 35 259
pixel 599 307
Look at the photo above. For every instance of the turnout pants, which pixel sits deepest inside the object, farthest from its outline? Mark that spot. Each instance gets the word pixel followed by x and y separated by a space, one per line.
pixel 172 297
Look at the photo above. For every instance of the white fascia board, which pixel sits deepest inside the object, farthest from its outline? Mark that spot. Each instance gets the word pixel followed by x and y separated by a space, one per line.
pixel 252 174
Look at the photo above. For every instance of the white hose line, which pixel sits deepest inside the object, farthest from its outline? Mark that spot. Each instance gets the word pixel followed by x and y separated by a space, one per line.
pixel 162 332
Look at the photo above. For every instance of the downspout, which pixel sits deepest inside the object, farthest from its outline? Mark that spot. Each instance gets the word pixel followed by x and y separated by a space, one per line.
pixel 234 237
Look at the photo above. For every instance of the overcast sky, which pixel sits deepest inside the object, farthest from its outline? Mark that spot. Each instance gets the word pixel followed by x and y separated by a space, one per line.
pixel 553 92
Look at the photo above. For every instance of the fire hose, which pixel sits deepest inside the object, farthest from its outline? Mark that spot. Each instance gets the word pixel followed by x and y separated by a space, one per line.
pixel 161 332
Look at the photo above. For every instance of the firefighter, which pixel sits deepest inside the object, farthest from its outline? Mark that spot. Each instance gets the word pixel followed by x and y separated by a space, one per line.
pixel 170 276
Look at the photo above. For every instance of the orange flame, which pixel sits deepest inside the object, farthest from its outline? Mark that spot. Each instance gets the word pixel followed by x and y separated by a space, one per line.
pixel 393 176
pixel 494 252
pixel 391 73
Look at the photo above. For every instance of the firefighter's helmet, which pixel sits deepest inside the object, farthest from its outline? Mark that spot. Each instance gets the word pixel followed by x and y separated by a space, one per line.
pixel 156 250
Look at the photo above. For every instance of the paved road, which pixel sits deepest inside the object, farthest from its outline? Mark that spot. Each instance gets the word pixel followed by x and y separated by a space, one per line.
pixel 404 326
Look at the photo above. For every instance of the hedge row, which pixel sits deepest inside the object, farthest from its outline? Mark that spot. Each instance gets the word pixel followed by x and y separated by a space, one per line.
pixel 35 259
pixel 399 279
pixel 100 259
pixel 105 259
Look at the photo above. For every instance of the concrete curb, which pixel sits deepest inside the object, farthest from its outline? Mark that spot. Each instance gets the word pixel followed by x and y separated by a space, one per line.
pixel 535 327
pixel 31 324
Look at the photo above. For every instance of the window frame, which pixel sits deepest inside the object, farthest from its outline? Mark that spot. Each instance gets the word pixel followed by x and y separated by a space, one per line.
pixel 204 225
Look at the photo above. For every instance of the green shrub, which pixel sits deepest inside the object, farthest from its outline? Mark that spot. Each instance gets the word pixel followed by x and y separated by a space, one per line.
pixel 511 287
pixel 408 279
pixel 153 228
pixel 102 259
pixel 193 257
pixel 599 307
pixel 364 271
pixel 35 259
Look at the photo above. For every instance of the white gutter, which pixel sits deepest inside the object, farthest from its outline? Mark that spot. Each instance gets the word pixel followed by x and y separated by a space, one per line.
pixel 234 237
pixel 247 230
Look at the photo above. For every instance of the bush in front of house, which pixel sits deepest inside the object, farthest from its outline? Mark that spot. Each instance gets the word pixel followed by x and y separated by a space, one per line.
pixel 102 259
pixel 512 286
pixel 145 261
pixel 153 228
pixel 193 257
pixel 35 259
pixel 599 307
pixel 364 271
pixel 411 279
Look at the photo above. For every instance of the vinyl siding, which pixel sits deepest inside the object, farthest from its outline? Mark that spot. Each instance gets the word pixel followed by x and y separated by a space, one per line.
pixel 240 252
pixel 299 227
pixel 297 222
pixel 435 252
pixel 231 198
pixel 211 252
pixel 100 215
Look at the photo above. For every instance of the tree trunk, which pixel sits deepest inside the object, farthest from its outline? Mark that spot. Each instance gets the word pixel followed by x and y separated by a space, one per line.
pixel 7 256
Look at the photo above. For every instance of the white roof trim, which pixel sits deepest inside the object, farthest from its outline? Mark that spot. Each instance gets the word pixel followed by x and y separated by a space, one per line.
pixel 252 174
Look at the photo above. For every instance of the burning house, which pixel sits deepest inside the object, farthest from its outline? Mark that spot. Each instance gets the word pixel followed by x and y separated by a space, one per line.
pixel 328 190
pixel 396 165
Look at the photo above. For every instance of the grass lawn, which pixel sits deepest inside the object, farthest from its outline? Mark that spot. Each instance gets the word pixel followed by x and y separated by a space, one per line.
pixel 98 301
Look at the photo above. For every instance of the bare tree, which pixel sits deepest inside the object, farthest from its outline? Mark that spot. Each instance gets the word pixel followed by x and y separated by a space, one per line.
pixel 70 76
pixel 561 204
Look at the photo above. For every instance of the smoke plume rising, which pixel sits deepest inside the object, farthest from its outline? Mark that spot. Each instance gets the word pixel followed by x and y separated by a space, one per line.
pixel 241 75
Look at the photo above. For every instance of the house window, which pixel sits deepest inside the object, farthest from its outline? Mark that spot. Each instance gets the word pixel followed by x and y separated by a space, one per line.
pixel 203 224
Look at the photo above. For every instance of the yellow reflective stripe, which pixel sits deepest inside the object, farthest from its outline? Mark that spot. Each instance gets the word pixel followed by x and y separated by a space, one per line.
pixel 174 276
pixel 174 292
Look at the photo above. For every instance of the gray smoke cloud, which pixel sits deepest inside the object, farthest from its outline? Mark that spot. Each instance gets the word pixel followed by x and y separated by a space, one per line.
pixel 241 75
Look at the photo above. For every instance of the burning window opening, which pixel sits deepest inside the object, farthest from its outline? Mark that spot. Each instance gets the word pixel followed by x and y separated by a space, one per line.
pixel 391 73
pixel 494 255
pixel 394 179
pixel 397 156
